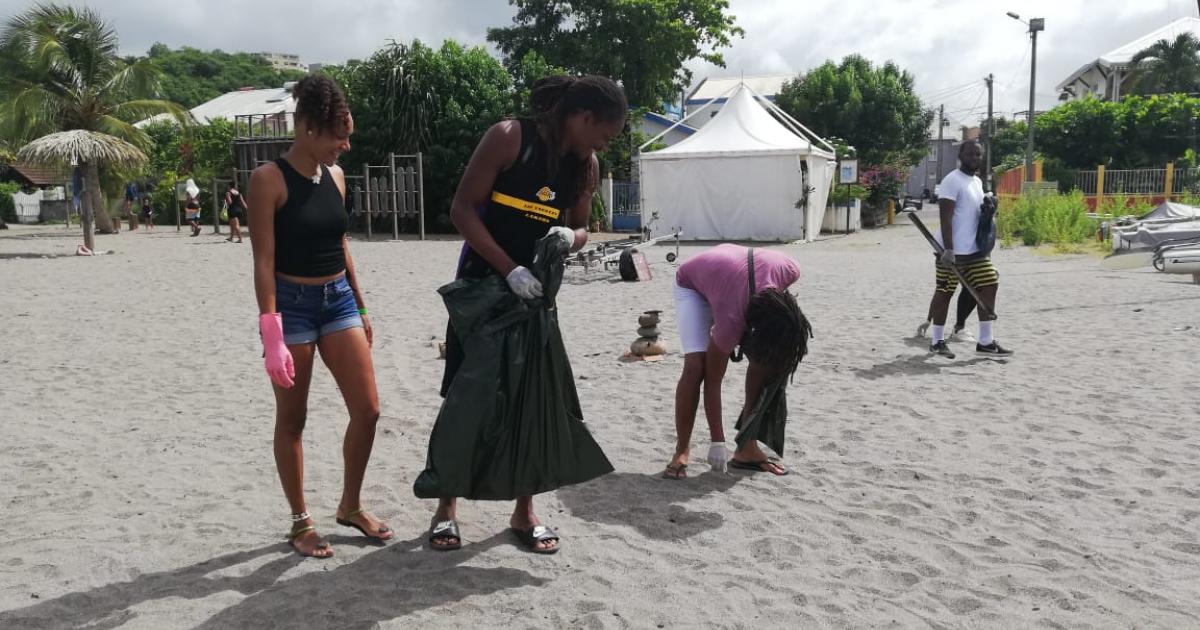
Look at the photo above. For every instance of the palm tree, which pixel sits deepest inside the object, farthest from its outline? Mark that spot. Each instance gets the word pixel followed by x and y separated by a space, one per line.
pixel 1169 66
pixel 61 71
pixel 79 146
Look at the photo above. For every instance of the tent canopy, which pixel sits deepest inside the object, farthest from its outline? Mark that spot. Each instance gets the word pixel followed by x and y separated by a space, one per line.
pixel 742 127
pixel 743 176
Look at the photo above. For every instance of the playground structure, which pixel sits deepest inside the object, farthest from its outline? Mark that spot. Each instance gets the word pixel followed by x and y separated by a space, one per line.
pixel 393 190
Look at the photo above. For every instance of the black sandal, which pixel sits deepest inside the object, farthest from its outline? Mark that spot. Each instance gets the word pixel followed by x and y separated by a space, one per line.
pixel 537 534
pixel 444 531
pixel 760 466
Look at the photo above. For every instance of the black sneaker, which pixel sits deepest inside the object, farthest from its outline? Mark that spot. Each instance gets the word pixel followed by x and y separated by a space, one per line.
pixel 992 349
pixel 941 349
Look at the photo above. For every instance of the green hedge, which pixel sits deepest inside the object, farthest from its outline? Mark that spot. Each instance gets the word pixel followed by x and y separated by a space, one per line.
pixel 8 209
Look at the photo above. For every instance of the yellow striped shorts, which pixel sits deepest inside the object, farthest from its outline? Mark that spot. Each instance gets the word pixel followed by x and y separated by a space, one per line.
pixel 978 270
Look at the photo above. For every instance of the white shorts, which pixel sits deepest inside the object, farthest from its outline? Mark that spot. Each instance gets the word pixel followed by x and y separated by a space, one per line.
pixel 695 319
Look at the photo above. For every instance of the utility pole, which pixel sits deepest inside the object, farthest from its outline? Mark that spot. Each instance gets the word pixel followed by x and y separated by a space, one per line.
pixel 989 132
pixel 941 126
pixel 1035 25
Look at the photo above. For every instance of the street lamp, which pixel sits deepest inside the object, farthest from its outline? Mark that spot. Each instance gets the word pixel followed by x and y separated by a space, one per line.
pixel 1035 25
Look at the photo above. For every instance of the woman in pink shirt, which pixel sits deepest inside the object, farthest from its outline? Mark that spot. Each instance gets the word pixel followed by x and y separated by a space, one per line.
pixel 716 314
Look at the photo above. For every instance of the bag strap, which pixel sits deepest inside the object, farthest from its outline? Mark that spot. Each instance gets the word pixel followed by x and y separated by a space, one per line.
pixel 737 355
pixel 750 269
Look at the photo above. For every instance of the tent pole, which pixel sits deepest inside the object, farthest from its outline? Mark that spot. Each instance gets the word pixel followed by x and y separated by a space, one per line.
pixel 688 117
pixel 772 107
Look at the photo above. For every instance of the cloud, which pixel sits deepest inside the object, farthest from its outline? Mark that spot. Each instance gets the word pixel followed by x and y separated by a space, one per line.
pixel 944 43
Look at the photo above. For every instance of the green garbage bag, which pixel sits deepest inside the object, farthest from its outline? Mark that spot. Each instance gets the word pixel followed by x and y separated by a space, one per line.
pixel 510 424
pixel 767 418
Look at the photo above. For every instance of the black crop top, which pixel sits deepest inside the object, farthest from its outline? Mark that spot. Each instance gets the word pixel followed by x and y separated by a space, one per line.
pixel 310 226
pixel 525 203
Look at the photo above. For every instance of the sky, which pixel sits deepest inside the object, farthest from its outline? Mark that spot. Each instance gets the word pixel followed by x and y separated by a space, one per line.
pixel 948 45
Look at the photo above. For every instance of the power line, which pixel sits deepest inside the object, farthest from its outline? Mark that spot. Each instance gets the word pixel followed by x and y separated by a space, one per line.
pixel 942 92
pixel 943 97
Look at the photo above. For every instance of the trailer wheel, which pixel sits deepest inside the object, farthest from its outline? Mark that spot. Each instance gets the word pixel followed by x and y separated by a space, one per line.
pixel 670 257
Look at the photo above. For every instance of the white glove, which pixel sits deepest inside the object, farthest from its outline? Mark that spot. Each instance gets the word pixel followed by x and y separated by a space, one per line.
pixel 566 234
pixel 524 284
pixel 718 457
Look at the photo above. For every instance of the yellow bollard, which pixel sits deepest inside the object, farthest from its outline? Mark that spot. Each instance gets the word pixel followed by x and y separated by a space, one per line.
pixel 891 212
pixel 1169 184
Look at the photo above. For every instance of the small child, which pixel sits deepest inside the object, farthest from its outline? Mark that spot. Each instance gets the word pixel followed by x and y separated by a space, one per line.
pixel 147 215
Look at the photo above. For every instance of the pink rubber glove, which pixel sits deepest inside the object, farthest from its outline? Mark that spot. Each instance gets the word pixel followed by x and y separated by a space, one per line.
pixel 276 356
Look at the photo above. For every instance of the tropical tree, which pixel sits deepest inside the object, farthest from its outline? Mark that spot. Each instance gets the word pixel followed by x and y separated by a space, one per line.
pixel 440 101
pixel 80 146
pixel 191 77
pixel 644 44
pixel 875 109
pixel 61 71
pixel 1168 66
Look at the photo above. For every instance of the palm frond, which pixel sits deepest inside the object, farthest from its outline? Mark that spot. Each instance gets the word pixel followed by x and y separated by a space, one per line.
pixel 79 146
pixel 29 113
pixel 137 111
pixel 122 130
pixel 139 80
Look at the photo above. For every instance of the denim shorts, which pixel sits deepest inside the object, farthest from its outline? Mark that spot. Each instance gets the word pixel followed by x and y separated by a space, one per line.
pixel 312 311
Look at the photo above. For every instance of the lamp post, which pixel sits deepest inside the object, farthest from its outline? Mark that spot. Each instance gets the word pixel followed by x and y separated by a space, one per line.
pixel 1035 25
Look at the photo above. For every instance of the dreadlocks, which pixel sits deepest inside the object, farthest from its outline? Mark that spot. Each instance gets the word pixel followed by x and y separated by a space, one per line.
pixel 554 99
pixel 777 332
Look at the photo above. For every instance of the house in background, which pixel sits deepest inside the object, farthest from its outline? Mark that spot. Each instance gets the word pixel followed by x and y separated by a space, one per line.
pixel 653 124
pixel 272 107
pixel 48 184
pixel 1111 75
pixel 284 61
pixel 30 176
pixel 716 91
pixel 928 173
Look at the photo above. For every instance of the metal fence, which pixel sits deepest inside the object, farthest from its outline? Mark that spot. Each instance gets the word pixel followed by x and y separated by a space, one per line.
pixel 1187 181
pixel 1140 182
pixel 627 198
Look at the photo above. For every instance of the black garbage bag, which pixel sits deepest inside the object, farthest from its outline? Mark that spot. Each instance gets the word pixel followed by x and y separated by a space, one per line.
pixel 510 424
pixel 985 233
pixel 767 418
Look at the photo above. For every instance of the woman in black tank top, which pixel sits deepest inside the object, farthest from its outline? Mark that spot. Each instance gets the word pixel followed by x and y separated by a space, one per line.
pixel 309 300
pixel 526 179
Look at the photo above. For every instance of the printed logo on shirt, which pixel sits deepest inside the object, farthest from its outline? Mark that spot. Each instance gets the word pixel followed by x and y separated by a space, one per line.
pixel 545 194
pixel 535 211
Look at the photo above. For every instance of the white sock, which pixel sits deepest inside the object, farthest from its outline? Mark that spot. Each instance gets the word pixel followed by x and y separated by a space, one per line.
pixel 939 333
pixel 985 333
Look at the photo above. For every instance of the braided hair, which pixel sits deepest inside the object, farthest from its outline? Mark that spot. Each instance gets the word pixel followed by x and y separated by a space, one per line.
pixel 777 332
pixel 320 103
pixel 556 98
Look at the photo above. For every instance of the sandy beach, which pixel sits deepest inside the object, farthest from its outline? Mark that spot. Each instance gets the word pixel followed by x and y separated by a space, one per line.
pixel 1056 489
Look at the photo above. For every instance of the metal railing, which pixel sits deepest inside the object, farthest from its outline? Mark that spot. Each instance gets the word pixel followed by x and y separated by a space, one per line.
pixel 627 198
pixel 264 126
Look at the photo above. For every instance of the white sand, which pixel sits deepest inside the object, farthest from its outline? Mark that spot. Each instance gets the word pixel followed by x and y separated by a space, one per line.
pixel 1058 489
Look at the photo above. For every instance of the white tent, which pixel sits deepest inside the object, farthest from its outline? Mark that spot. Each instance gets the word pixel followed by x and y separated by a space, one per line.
pixel 739 177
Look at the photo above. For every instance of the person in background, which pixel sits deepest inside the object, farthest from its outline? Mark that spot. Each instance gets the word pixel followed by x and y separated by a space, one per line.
pixel 235 205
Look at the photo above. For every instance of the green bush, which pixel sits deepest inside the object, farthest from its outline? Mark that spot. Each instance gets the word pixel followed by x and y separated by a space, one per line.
pixel 1037 219
pixel 8 209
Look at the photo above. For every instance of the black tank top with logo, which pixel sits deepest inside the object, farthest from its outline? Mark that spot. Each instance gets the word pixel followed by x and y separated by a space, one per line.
pixel 525 203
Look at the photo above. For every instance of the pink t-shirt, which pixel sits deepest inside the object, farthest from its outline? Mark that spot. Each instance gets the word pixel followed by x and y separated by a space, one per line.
pixel 720 275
